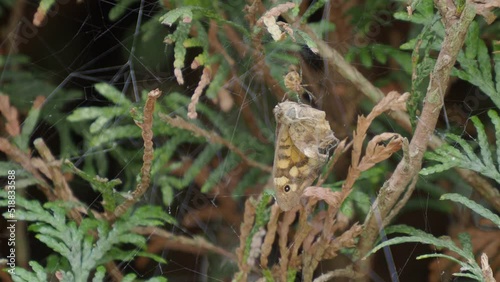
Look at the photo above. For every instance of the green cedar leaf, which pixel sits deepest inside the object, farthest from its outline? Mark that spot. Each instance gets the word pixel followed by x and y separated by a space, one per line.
pixel 99 274
pixel 472 41
pixel 27 128
pixel 115 133
pixel 46 4
pixel 172 16
pixel 308 41
pixel 112 94
pixel 495 119
pixel 483 144
pixel 466 243
pixel 482 211
pixel 91 113
pixel 129 278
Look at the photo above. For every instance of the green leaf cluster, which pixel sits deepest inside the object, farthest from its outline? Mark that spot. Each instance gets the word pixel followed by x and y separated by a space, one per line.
pixel 166 160
pixel 111 125
pixel 88 245
pixel 463 155
pixel 184 18
pixel 278 55
pixel 476 65
pixel 467 260
pixel 108 129
pixel 53 112
pixel 418 236
pixel 423 45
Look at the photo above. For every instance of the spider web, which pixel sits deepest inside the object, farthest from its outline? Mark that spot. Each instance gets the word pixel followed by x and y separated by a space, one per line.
pixel 79 46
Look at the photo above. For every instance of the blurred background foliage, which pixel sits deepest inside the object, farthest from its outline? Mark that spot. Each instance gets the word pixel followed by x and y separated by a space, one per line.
pixel 94 61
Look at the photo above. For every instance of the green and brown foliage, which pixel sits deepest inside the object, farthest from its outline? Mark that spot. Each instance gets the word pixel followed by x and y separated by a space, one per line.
pixel 201 143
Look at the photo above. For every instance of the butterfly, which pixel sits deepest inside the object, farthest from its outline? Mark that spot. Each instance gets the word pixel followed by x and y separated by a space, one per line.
pixel 303 142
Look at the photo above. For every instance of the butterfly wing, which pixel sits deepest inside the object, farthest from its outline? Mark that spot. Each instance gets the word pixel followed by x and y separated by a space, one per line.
pixel 293 171
pixel 309 130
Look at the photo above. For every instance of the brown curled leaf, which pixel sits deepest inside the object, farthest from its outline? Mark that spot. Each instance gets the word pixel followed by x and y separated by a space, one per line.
pixel 393 101
pixel 485 7
pixel 376 151
pixel 330 197
pixel 245 228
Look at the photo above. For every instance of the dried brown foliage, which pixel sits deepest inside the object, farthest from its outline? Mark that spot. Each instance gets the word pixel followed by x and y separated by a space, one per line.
pixel 204 81
pixel 147 158
pixel 317 234
pixel 11 116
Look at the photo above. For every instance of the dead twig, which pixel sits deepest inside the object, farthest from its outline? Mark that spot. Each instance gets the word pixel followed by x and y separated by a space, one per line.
pixel 272 226
pixel 245 228
pixel 61 187
pixel 147 157
pixel 204 81
pixel 283 229
pixel 182 243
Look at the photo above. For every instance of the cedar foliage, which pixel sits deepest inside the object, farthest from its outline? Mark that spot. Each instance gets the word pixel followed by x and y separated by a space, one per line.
pixel 237 52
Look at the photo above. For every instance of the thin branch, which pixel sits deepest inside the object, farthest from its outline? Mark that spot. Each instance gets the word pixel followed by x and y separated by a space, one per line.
pixel 61 186
pixel 400 204
pixel 245 228
pixel 147 157
pixel 391 193
pixel 346 272
pixel 336 61
pixel 212 137
pixel 24 160
pixel 182 243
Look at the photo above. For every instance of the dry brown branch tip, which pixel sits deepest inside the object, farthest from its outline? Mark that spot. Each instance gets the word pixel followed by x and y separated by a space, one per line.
pixel 11 116
pixel 204 81
pixel 485 7
pixel 273 27
pixel 325 194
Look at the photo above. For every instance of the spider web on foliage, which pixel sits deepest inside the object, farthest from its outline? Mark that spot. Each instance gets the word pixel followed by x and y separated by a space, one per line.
pixel 112 52
pixel 79 46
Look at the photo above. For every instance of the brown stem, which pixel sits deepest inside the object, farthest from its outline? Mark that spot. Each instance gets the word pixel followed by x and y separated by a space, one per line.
pixel 147 158
pixel 213 137
pixel 182 243
pixel 61 186
pixel 396 186
pixel 336 61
